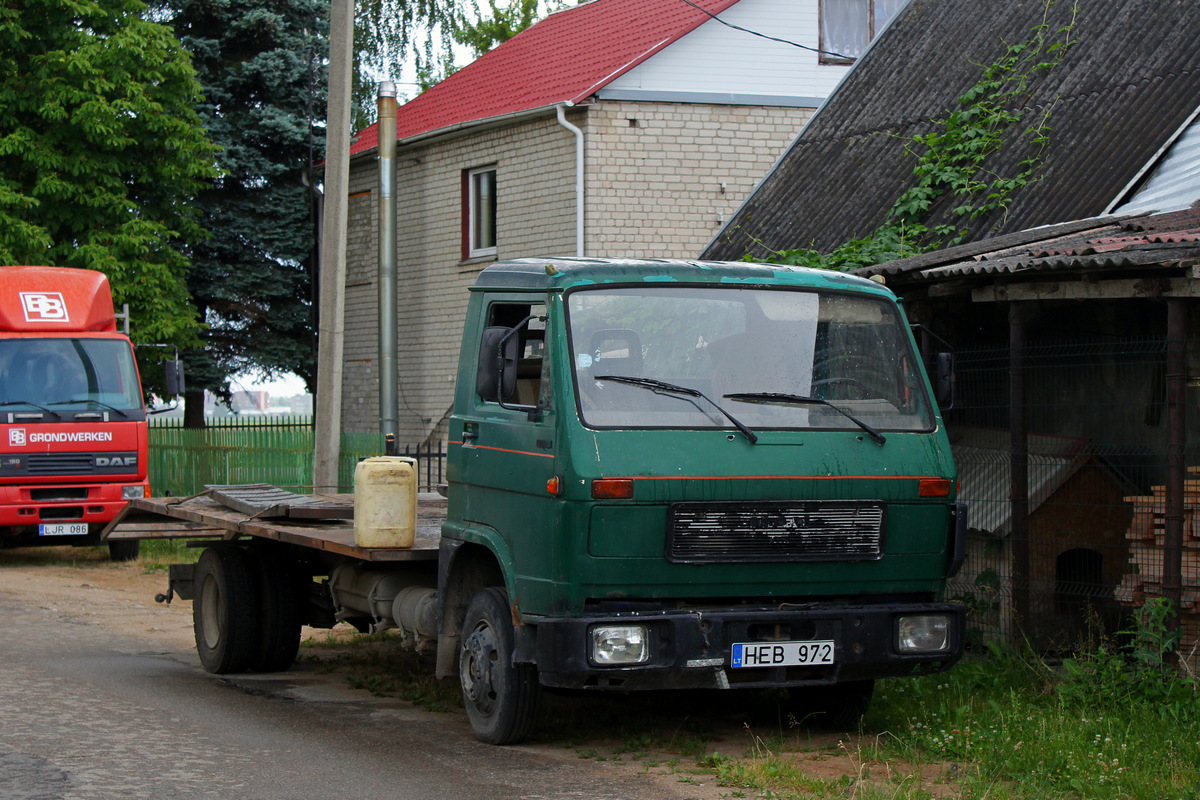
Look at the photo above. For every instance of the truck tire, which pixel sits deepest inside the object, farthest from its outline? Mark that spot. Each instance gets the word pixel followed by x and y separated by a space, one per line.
pixel 225 609
pixel 124 550
pixel 840 707
pixel 280 608
pixel 501 697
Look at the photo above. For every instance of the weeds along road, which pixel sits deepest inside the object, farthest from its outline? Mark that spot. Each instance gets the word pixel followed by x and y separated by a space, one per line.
pixel 101 696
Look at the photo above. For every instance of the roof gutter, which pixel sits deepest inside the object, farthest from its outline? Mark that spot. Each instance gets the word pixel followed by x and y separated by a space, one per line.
pixel 562 120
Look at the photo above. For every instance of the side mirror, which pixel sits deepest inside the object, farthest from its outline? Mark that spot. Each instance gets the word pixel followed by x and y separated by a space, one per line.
pixel 174 375
pixel 945 385
pixel 496 373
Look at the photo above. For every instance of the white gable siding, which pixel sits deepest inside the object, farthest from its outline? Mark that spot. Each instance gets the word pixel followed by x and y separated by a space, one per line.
pixel 715 59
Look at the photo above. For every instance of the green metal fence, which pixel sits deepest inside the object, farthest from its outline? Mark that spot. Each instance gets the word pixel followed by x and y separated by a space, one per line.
pixel 274 450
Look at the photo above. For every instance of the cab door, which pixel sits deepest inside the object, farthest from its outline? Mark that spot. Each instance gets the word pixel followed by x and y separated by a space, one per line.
pixel 504 453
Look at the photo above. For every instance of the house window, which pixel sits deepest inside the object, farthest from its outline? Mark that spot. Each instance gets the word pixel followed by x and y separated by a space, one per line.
pixel 479 212
pixel 848 26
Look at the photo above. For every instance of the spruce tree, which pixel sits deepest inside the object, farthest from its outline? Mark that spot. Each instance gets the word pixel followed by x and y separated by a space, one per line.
pixel 261 68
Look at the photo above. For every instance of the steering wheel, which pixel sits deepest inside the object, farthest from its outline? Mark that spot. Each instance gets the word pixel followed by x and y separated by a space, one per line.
pixel 859 388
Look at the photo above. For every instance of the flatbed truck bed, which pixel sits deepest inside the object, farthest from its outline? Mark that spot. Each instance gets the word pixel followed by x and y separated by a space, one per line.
pixel 202 517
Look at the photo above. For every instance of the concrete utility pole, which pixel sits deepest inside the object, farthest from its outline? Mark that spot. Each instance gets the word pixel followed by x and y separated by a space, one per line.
pixel 328 433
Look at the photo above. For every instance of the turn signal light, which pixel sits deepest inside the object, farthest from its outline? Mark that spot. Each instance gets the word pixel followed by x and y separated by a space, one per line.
pixel 934 487
pixel 612 489
pixel 553 485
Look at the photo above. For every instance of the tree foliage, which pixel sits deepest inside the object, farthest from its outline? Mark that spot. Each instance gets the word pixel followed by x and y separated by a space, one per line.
pixel 261 68
pixel 484 32
pixel 101 151
pixel 387 35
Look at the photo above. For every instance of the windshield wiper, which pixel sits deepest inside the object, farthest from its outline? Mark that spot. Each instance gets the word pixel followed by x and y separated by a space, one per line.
pixel 799 399
pixel 43 409
pixel 89 400
pixel 672 390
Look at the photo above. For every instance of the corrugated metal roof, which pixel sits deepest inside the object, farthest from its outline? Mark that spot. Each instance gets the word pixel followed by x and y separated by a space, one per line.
pixel 1175 183
pixel 982 459
pixel 563 58
pixel 1149 244
pixel 1125 87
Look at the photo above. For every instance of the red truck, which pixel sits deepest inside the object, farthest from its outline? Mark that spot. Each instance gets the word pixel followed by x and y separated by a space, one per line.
pixel 73 432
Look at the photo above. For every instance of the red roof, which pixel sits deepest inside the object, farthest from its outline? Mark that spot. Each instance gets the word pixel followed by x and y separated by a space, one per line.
pixel 568 56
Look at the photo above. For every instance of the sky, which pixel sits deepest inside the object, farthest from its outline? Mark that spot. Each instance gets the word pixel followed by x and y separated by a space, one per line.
pixel 286 385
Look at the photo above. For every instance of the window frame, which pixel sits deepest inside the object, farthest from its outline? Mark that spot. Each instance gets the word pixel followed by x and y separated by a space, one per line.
pixel 822 55
pixel 472 246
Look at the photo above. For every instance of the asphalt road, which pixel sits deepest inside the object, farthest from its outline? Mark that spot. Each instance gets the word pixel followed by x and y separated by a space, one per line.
pixel 86 712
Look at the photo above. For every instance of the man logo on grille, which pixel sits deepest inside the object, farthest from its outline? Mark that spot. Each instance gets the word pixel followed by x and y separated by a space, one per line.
pixel 44 307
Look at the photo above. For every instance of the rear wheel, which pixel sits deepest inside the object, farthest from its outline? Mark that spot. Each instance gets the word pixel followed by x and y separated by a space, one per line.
pixel 501 697
pixel 124 550
pixel 224 609
pixel 280 611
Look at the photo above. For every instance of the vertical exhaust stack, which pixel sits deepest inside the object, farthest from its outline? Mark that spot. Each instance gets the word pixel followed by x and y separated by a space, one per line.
pixel 388 298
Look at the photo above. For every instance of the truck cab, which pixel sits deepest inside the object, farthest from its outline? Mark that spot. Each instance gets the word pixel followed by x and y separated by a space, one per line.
pixel 73 431
pixel 684 474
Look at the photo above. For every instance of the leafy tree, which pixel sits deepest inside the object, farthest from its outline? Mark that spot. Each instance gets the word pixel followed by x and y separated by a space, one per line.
pixel 101 151
pixel 505 22
pixel 261 67
pixel 426 31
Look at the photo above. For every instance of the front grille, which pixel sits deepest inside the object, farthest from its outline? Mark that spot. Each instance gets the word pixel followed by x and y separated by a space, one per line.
pixel 60 464
pixel 710 533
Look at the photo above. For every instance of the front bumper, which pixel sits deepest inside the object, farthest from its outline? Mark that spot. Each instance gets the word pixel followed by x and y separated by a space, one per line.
pixel 691 649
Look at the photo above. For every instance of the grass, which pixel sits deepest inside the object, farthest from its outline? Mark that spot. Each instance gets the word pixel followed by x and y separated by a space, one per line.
pixel 1005 725
pixel 1108 722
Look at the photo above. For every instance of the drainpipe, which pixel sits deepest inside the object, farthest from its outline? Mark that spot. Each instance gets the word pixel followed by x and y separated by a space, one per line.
pixel 388 305
pixel 562 120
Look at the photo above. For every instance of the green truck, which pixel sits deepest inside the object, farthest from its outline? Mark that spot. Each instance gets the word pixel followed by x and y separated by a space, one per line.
pixel 660 475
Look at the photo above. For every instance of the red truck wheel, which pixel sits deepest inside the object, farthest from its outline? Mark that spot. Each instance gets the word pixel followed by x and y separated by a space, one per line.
pixel 124 550
pixel 501 697
pixel 224 609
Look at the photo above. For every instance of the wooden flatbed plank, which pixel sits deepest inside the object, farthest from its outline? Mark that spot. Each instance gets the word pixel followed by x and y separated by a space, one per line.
pixel 332 536
pixel 265 500
pixel 162 529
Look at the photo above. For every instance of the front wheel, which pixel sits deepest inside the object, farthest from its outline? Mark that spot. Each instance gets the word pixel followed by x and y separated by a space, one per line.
pixel 840 707
pixel 501 697
pixel 124 550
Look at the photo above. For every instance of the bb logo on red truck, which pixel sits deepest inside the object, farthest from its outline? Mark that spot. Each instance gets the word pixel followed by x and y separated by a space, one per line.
pixel 16 437
pixel 44 307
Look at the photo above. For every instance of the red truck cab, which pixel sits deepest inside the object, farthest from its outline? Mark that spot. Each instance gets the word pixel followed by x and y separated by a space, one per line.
pixel 73 431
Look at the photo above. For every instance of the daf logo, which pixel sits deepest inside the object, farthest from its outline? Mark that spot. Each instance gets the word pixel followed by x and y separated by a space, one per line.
pixel 116 461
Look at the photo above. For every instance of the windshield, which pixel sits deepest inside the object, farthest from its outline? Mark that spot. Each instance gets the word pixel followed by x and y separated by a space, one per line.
pixel 850 350
pixel 68 375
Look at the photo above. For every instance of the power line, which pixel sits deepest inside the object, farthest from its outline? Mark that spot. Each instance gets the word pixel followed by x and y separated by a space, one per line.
pixel 765 36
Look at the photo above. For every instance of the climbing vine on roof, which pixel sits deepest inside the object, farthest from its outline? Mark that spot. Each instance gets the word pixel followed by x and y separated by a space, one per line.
pixel 951 160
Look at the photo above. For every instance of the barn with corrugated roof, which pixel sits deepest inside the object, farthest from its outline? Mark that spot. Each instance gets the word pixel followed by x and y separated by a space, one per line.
pixel 1070 309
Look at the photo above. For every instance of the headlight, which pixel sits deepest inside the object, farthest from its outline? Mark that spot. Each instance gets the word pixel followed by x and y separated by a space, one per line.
pixel 132 492
pixel 613 645
pixel 927 633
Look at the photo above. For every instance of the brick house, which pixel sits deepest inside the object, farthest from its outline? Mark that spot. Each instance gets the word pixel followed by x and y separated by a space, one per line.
pixel 673 113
